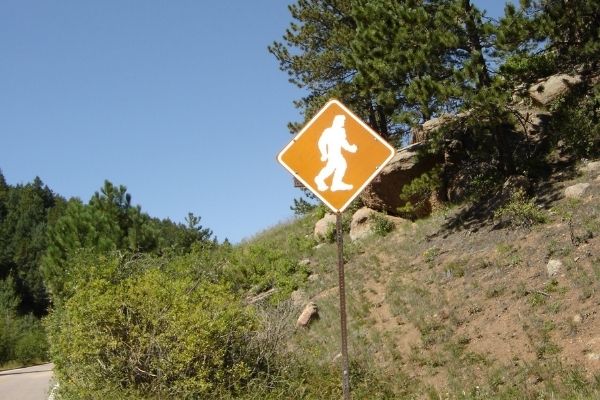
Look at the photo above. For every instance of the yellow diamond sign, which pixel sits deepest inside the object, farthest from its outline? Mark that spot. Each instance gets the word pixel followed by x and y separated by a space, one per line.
pixel 336 155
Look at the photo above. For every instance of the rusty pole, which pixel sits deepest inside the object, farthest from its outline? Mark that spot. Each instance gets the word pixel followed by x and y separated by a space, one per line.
pixel 342 287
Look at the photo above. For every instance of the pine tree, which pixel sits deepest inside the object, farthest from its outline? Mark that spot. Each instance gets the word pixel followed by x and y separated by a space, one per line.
pixel 315 53
pixel 109 222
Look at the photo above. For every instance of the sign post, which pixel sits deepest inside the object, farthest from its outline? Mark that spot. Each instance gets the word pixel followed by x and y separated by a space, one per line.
pixel 335 156
pixel 342 290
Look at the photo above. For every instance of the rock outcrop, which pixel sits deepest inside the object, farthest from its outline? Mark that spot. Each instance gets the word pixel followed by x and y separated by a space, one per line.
pixel 591 167
pixel 577 191
pixel 551 88
pixel 383 194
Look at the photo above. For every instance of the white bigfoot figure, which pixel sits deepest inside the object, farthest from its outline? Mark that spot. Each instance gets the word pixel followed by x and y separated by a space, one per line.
pixel 331 143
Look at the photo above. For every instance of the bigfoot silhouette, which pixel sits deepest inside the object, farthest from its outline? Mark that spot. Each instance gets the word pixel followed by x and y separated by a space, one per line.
pixel 331 143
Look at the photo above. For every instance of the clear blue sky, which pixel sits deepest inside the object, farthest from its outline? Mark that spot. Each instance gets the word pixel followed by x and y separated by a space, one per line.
pixel 177 100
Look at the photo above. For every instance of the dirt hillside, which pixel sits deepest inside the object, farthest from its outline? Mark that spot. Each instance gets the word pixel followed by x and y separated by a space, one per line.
pixel 464 301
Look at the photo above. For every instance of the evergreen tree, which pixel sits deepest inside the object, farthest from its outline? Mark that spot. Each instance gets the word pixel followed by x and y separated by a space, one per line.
pixel 316 55
pixel 109 222
pixel 539 38
pixel 25 212
pixel 424 57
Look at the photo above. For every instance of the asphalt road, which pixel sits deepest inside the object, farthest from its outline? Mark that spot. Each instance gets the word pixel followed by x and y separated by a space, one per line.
pixel 32 383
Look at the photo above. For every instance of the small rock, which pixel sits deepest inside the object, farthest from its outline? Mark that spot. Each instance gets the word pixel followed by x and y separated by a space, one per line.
pixel 336 358
pixel 534 380
pixel 323 225
pixel 593 356
pixel 593 166
pixel 553 267
pixel 313 277
pixel 304 262
pixel 577 319
pixel 576 191
pixel 309 313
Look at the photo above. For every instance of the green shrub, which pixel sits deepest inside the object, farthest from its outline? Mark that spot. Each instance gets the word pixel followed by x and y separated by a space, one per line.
pixel 31 346
pixel 155 332
pixel 259 267
pixel 22 340
pixel 575 121
pixel 330 233
pixel 417 193
pixel 381 225
pixel 520 211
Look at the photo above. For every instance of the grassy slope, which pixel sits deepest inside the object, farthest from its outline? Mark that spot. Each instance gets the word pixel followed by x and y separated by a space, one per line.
pixel 452 307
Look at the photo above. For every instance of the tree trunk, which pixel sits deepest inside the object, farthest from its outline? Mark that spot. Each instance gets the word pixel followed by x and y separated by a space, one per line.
pixel 472 24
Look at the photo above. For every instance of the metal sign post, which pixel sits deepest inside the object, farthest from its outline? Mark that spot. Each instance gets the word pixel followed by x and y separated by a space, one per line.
pixel 335 156
pixel 342 287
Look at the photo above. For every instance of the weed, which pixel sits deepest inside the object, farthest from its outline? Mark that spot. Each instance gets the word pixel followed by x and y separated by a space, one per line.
pixel 555 307
pixel 521 290
pixel 551 286
pixel 431 254
pixel 596 268
pixel 566 210
pixel 576 382
pixel 537 299
pixel 495 291
pixel 557 249
pixel 509 254
pixel 456 268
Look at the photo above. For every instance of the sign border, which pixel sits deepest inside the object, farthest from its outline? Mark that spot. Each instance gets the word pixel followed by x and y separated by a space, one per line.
pixel 376 172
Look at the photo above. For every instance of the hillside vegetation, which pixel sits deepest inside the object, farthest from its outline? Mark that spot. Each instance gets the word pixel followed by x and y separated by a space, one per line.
pixel 458 307
pixel 489 292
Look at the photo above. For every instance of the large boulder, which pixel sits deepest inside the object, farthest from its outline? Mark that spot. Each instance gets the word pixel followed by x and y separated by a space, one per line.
pixel 324 225
pixel 577 191
pixel 429 127
pixel 361 224
pixel 383 194
pixel 551 88
pixel 591 167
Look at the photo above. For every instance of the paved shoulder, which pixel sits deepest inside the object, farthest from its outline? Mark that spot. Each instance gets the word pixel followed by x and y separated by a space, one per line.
pixel 32 383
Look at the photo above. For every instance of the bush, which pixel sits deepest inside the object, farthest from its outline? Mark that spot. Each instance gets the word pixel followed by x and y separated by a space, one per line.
pixel 576 121
pixel 22 340
pixel 417 193
pixel 258 267
pixel 154 332
pixel 520 211
pixel 381 225
pixel 31 346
